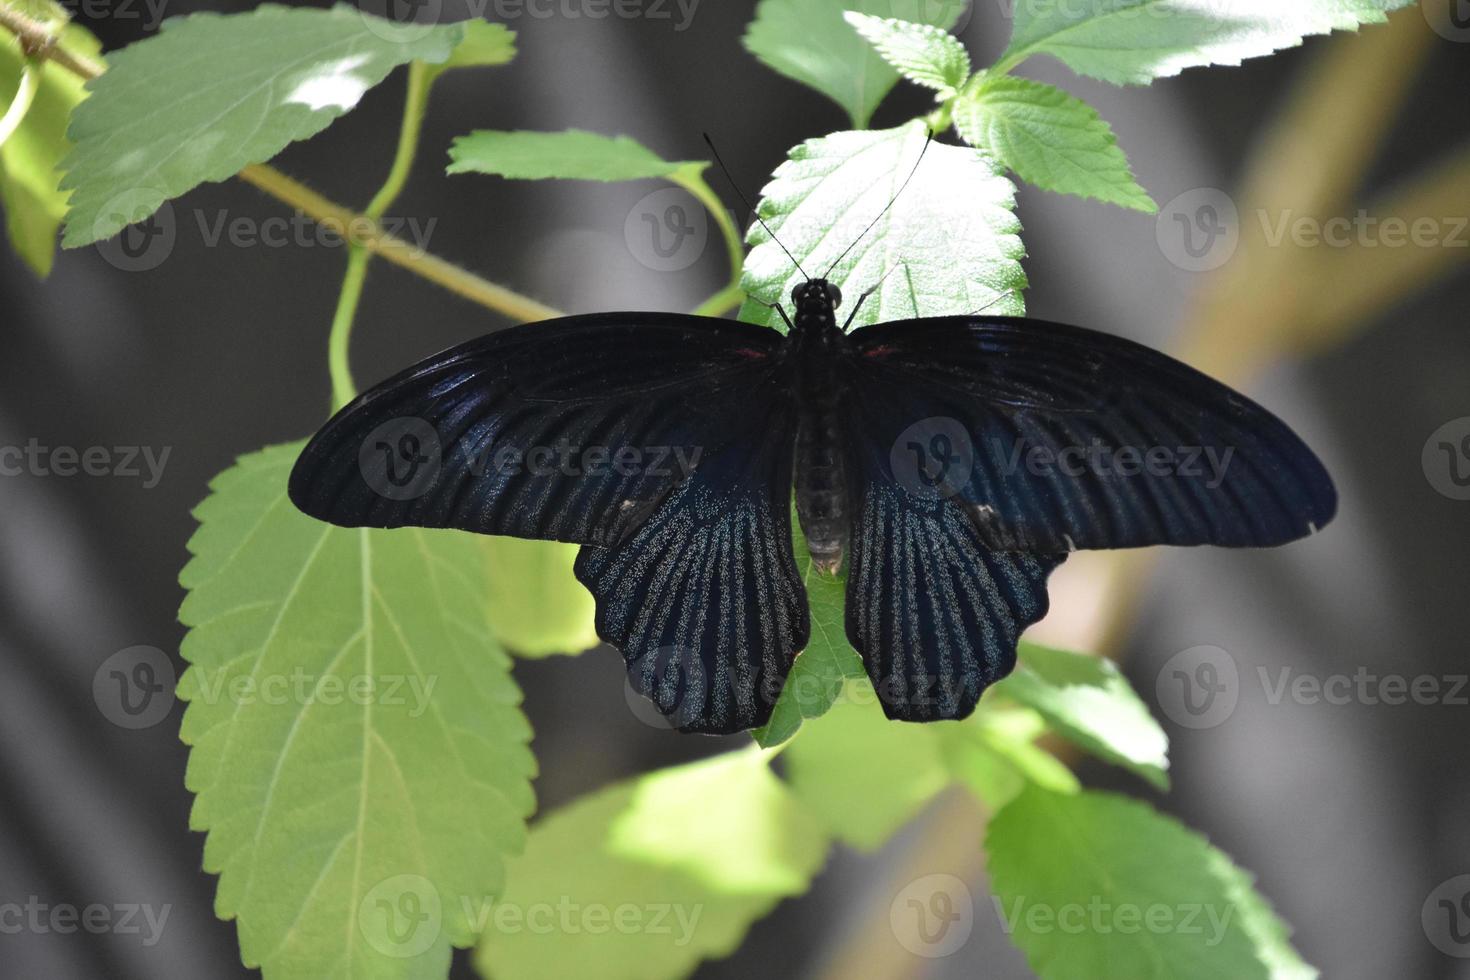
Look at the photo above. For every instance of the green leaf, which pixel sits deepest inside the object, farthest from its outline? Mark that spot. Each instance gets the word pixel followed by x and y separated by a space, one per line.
pixel 484 44
pixel 536 605
pixel 357 745
pixel 923 54
pixel 950 240
pixel 807 40
pixel 570 155
pixel 1093 884
pixel 1049 138
pixel 647 878
pixel 817 677
pixel 212 94
pixel 864 775
pixel 34 204
pixel 1132 42
pixel 994 755
pixel 1089 702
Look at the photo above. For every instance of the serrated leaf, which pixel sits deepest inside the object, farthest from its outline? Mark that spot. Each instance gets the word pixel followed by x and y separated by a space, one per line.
pixel 34 203
pixel 923 54
pixel 535 604
pixel 1132 42
pixel 995 756
pixel 570 155
pixel 1094 884
pixel 828 662
pixel 211 94
pixel 950 241
pixel 482 45
pixel 1050 139
pixel 357 745
pixel 864 775
pixel 807 40
pixel 1089 702
pixel 643 880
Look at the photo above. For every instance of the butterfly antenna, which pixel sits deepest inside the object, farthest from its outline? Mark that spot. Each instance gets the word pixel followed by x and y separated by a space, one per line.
pixel 736 187
pixel 929 139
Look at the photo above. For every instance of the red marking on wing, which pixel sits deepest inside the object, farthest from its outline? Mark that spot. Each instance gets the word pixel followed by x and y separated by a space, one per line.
pixel 882 350
pixel 750 353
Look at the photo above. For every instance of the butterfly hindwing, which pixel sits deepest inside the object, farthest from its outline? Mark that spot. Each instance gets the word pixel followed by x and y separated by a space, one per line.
pixel 934 611
pixel 704 599
pixel 1056 438
pixel 572 430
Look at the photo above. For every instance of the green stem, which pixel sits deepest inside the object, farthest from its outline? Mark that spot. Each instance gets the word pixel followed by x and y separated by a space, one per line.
pixel 692 180
pixel 30 81
pixel 343 390
pixel 415 102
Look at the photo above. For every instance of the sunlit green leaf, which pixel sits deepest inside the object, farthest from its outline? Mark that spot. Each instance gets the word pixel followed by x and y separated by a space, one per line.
pixel 995 756
pixel 358 755
pixel 212 93
pixel 483 44
pixel 571 155
pixel 1093 884
pixel 807 40
pixel 645 879
pixel 1136 41
pixel 1050 139
pixel 1088 701
pixel 950 241
pixel 923 54
pixel 536 605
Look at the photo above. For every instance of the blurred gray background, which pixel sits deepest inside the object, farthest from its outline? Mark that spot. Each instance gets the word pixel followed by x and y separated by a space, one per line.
pixel 1350 814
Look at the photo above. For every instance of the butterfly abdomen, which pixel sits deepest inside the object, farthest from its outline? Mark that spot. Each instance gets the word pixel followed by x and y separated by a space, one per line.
pixel 821 471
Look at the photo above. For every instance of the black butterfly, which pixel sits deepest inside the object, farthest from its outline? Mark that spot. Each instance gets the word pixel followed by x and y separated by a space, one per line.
pixel 953 462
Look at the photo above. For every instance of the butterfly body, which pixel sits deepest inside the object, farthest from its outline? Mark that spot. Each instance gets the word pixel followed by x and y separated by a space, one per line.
pixel 816 345
pixel 948 464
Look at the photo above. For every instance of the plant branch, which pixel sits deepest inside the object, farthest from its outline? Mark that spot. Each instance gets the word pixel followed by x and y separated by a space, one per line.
pixel 38 41
pixel 25 94
pixel 692 180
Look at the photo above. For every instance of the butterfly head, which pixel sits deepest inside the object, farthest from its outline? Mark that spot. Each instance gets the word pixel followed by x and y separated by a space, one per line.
pixel 816 296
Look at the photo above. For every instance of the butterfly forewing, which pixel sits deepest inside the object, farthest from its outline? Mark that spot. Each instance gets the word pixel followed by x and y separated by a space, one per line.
pixel 1054 438
pixel 571 430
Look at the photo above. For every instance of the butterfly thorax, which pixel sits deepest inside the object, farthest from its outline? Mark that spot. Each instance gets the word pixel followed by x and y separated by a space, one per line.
pixel 821 476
